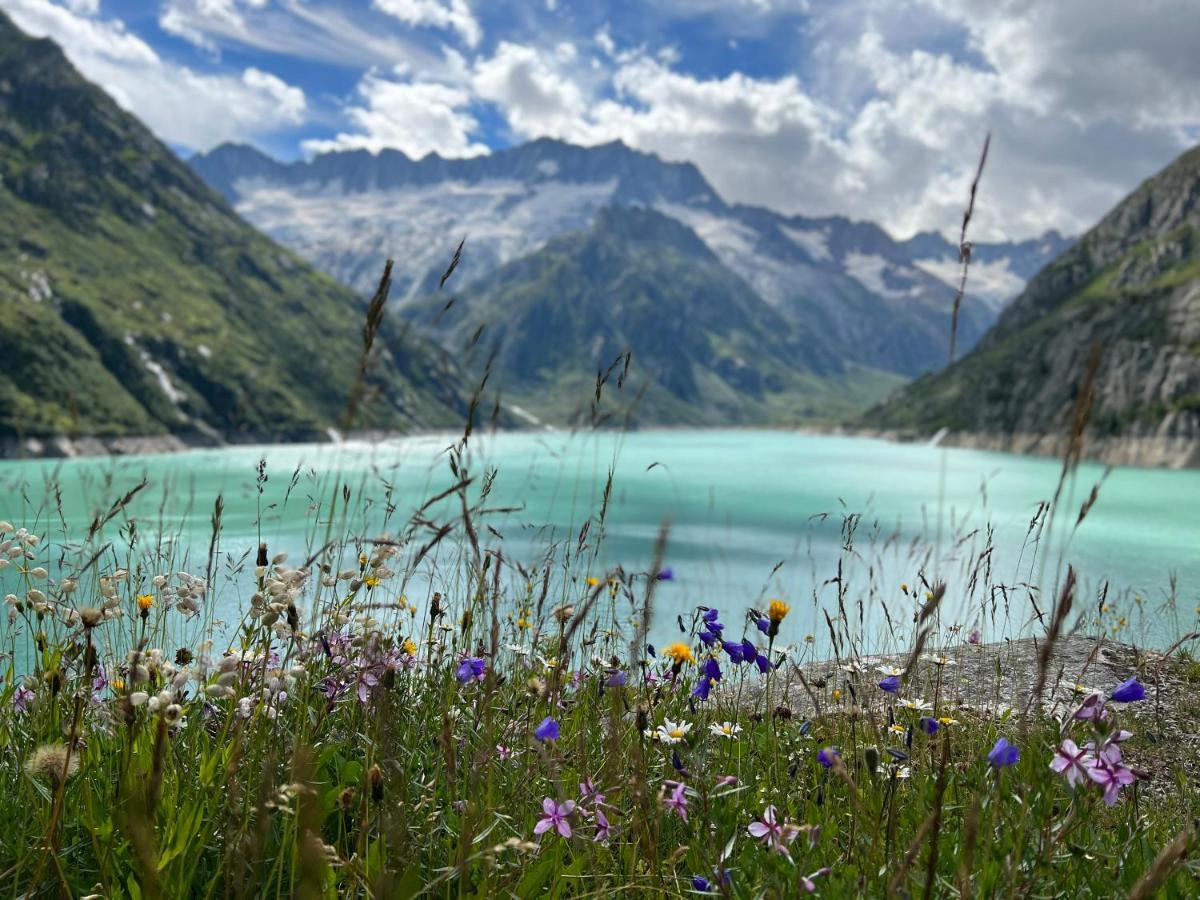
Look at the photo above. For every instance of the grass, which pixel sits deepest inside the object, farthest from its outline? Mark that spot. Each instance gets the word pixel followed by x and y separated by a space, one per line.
pixel 340 740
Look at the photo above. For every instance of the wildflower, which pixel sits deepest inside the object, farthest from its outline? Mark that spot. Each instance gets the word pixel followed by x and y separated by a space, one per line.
pixel 366 681
pixel 763 625
pixel 928 724
pixel 22 697
pixel 736 651
pixel 616 679
pixel 667 574
pixel 777 611
pixel 555 816
pixel 890 671
pixel 896 728
pixel 938 659
pixel 827 756
pixel 679 653
pixel 603 829
pixel 806 882
pixel 592 581
pixel 470 669
pixel 703 687
pixel 701 884
pixel 672 732
pixel 893 770
pixel 1068 762
pixel 547 731
pixel 1129 691
pixel 891 684
pixel 503 752
pixel 973 637
pixel 144 602
pixel 1111 773
pixel 712 669
pixel 836 694
pixel 764 663
pixel 725 729
pixel 676 801
pixel 1003 754
pixel 772 833
pixel 727 781
pixel 409 646
pixel 917 705
pixel 1092 709
pixel 53 762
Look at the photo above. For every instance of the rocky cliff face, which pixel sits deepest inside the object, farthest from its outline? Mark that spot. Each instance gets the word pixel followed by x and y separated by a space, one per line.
pixel 1131 286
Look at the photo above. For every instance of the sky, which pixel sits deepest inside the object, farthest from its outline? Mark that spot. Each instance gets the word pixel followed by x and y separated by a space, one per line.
pixel 874 109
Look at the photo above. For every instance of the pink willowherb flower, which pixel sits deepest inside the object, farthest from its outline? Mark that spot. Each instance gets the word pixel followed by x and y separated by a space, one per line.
pixel 1070 762
pixel 676 801
pixel 1110 772
pixel 555 816
pixel 773 833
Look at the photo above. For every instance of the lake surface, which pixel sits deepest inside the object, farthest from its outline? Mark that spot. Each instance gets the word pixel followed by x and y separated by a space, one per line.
pixel 752 514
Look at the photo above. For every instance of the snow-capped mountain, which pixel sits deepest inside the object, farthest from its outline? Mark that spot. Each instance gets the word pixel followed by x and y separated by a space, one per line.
pixel 879 302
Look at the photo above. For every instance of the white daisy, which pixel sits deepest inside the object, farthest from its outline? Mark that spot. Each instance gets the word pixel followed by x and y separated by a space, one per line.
pixel 725 729
pixel 890 670
pixel 917 705
pixel 672 732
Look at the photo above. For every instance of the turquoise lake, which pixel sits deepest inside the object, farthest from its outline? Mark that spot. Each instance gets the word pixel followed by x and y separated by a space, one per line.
pixel 751 514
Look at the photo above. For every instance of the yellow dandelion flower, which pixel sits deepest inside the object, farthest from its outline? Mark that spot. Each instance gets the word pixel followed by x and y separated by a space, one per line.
pixel 145 601
pixel 680 653
pixel 371 581
pixel 777 611
pixel 837 695
pixel 592 581
pixel 409 646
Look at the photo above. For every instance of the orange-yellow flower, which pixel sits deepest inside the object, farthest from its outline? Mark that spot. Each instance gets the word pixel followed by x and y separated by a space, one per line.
pixel 145 601
pixel 679 653
pixel 777 611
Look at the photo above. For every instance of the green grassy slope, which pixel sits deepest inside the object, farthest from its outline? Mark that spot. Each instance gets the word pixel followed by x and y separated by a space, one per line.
pixel 133 300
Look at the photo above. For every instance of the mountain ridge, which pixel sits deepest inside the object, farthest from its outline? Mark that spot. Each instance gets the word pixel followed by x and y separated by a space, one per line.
pixel 1131 287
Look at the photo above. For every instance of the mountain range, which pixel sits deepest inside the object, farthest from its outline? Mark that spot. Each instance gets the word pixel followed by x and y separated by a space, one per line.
pixel 861 311
pixel 1116 319
pixel 137 302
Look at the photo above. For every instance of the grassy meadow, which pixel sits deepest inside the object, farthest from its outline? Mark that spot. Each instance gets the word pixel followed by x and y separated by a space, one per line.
pixel 412 713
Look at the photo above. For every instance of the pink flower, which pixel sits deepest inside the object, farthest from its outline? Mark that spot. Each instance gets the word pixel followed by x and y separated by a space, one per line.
pixel 727 780
pixel 677 800
pixel 1069 761
pixel 806 882
pixel 772 833
pixel 503 752
pixel 555 816
pixel 588 793
pixel 603 829
pixel 1092 708
pixel 1111 773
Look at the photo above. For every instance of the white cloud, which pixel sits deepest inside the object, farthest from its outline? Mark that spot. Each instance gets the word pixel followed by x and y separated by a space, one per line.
pixel 1084 99
pixel 451 14
pixel 414 117
pixel 185 107
pixel 534 90
pixel 322 32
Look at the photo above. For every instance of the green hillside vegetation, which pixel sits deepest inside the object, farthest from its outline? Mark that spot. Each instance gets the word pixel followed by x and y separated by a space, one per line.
pixel 704 346
pixel 1131 286
pixel 136 302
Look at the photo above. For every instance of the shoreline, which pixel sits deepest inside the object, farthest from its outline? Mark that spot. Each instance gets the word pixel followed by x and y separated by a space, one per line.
pixel 1153 452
